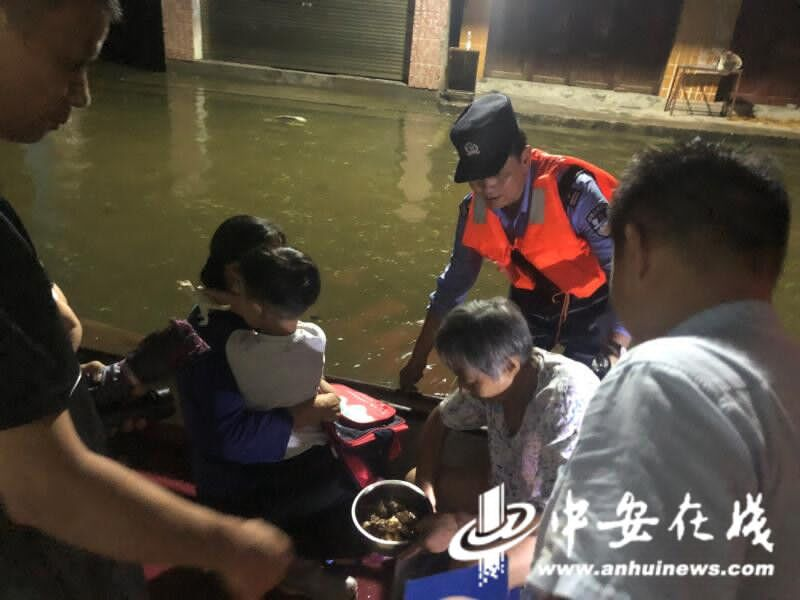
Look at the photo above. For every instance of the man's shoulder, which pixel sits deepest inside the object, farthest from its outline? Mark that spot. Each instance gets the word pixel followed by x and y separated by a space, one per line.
pixel 694 375
pixel 705 359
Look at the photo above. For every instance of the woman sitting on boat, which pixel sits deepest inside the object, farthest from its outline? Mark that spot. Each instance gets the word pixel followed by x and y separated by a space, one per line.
pixel 531 401
pixel 245 457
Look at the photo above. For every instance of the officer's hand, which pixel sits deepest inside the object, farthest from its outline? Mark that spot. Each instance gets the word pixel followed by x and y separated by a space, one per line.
pixel 411 374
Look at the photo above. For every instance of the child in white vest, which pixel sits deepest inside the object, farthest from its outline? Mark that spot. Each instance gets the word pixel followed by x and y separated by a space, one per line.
pixel 279 362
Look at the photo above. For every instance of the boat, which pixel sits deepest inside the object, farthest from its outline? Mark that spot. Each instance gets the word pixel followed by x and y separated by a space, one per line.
pixel 161 452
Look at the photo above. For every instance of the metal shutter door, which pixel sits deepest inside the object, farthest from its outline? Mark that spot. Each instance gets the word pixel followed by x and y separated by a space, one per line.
pixel 352 37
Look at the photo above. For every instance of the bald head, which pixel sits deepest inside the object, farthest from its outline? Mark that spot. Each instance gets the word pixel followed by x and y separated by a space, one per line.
pixel 22 14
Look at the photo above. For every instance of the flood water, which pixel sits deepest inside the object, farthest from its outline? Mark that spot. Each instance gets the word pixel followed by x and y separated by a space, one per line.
pixel 122 201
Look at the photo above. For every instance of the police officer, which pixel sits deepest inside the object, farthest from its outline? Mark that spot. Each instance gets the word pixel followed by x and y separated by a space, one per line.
pixel 543 220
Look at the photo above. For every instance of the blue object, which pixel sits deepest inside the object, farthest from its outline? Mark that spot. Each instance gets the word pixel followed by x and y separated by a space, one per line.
pixel 461 582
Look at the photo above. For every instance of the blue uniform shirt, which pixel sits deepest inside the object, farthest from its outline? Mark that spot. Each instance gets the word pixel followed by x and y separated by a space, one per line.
pixel 587 211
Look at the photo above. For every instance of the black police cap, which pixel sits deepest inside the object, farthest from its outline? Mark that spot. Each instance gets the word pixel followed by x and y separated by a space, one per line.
pixel 483 135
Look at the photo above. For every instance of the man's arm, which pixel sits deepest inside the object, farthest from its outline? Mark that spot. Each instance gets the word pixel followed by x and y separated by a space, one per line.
pixel 72 325
pixel 49 480
pixel 587 210
pixel 413 371
pixel 452 287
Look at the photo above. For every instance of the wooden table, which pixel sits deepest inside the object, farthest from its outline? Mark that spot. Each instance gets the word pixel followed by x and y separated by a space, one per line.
pixel 678 86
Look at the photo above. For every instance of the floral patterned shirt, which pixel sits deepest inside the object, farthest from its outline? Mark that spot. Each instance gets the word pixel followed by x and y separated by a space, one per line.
pixel 528 461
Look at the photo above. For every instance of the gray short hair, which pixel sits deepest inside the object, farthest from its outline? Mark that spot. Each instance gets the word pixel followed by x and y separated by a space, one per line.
pixel 484 335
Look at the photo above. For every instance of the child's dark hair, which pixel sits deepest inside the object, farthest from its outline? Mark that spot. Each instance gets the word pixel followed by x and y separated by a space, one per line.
pixel 232 239
pixel 284 278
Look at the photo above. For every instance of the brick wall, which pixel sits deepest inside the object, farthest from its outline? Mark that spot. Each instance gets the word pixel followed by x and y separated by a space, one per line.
pixel 179 34
pixel 429 44
pixel 705 29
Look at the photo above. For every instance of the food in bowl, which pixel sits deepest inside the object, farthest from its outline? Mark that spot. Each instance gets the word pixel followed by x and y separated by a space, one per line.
pixel 392 521
pixel 385 535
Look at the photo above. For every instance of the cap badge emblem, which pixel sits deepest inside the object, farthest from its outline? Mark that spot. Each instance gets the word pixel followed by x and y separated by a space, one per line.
pixel 471 149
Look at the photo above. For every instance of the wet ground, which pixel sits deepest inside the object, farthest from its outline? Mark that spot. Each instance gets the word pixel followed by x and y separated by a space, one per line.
pixel 123 200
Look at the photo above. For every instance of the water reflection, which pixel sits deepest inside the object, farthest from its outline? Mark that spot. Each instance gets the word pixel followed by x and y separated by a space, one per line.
pixel 189 161
pixel 56 166
pixel 122 201
pixel 421 133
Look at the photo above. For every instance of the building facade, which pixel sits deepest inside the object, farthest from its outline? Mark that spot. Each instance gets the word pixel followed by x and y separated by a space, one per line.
pixel 626 45
pixel 401 40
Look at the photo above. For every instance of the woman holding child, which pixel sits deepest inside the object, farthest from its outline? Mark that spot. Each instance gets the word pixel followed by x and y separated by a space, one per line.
pixel 254 403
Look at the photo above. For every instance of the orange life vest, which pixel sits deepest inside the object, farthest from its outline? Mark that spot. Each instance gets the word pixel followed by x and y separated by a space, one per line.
pixel 549 242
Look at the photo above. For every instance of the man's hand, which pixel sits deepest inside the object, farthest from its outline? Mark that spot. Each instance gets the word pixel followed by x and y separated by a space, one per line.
pixel 255 560
pixel 93 371
pixel 323 408
pixel 411 374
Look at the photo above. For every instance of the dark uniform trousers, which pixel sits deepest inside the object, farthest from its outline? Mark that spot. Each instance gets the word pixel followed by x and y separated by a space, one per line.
pixel 585 331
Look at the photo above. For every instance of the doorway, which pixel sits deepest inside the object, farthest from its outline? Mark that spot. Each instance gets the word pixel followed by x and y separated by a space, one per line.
pixel 610 44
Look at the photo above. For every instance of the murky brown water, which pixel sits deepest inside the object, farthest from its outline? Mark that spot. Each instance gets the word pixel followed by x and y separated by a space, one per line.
pixel 123 200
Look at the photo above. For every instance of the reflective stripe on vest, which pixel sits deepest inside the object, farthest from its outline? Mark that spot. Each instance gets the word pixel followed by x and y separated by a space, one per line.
pixel 549 242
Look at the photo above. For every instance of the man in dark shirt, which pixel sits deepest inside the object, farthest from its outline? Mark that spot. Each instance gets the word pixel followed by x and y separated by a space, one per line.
pixel 49 480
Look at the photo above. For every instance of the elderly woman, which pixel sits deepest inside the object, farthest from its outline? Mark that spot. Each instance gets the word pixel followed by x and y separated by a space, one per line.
pixel 531 402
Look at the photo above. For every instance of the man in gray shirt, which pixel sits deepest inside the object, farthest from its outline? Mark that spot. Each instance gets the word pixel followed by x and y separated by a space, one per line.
pixel 685 482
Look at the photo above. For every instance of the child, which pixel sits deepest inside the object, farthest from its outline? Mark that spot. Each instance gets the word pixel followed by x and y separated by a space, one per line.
pixel 240 400
pixel 162 353
pixel 280 360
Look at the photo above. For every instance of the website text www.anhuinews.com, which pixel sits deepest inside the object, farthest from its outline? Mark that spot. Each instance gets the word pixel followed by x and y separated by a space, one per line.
pixel 658 569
